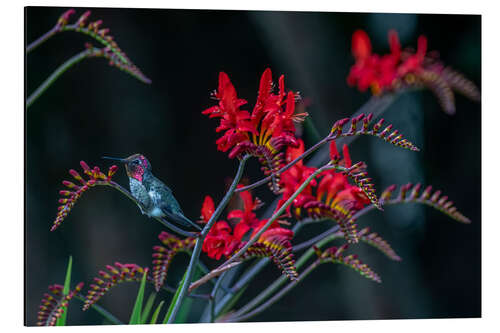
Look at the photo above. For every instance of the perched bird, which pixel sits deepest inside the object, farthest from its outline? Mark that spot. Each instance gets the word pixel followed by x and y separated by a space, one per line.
pixel 156 198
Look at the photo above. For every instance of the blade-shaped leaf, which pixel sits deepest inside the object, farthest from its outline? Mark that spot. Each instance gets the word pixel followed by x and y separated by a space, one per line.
pixel 182 316
pixel 147 308
pixel 154 317
pixel 61 321
pixel 135 317
pixel 174 300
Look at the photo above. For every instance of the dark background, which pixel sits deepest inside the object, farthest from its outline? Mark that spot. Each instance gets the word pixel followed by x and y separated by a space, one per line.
pixel 94 110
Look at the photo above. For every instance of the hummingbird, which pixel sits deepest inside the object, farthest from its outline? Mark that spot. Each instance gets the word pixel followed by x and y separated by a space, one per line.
pixel 156 197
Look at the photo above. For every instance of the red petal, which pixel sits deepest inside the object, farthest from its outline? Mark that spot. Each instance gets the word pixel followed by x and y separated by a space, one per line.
pixel 334 153
pixel 281 84
pixel 208 208
pixel 266 82
pixel 240 230
pixel 223 82
pixel 235 214
pixel 422 47
pixel 290 104
pixel 361 45
pixel 292 153
pixel 347 157
pixel 394 44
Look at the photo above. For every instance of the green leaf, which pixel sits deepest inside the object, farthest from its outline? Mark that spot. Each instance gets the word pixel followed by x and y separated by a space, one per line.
pixel 174 300
pixel 154 317
pixel 148 307
pixel 186 305
pixel 61 321
pixel 135 317
pixel 233 301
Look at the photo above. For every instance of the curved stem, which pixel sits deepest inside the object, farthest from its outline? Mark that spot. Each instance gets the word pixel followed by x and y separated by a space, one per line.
pixel 199 242
pixel 254 270
pixel 172 291
pixel 58 72
pixel 209 276
pixel 281 280
pixel 213 295
pixel 278 213
pixel 286 167
pixel 279 294
pixel 42 39
pixel 375 105
pixel 313 240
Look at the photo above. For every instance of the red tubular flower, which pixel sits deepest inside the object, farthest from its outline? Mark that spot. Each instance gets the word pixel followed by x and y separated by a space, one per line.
pixel 219 241
pixel 330 196
pixel 207 210
pixel 274 243
pixel 294 177
pixel 400 69
pixel 265 132
pixel 361 45
pixel 246 218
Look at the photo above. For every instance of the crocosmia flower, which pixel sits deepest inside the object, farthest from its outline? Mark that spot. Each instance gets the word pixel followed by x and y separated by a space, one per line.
pixel 406 68
pixel 330 195
pixel 220 241
pixel 226 238
pixel 263 133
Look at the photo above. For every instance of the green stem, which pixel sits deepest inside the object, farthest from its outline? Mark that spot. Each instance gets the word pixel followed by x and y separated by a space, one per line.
pixel 312 241
pixel 42 39
pixel 213 295
pixel 250 274
pixel 281 280
pixel 278 295
pixel 53 77
pixel 172 290
pixel 286 167
pixel 278 213
pixel 377 106
pixel 199 242
pixel 103 312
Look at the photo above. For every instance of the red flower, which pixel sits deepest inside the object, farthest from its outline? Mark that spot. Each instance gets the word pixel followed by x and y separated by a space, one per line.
pixel 294 177
pixel 400 69
pixel 326 198
pixel 263 133
pixel 207 210
pixel 219 241
pixel 371 70
pixel 247 219
pixel 234 121
pixel 222 240
pixel 413 63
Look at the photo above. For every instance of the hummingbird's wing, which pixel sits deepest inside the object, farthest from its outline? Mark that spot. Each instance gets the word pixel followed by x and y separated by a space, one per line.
pixel 165 200
pixel 179 218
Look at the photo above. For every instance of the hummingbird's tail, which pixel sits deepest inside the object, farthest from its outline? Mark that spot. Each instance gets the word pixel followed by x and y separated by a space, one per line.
pixel 181 219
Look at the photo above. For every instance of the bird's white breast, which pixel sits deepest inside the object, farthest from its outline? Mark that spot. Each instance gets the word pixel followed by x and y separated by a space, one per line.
pixel 156 212
pixel 156 198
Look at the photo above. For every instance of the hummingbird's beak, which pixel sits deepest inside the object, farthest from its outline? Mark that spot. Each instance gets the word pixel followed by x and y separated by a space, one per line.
pixel 123 160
